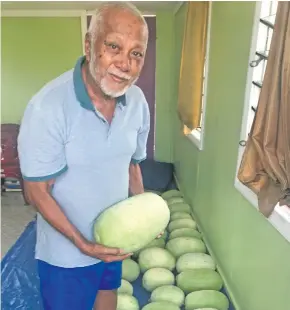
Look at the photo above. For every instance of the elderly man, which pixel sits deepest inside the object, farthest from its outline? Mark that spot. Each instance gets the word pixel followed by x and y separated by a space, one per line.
pixel 81 139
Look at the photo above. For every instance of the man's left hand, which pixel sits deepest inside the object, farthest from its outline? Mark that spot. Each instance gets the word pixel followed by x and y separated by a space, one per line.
pixel 160 235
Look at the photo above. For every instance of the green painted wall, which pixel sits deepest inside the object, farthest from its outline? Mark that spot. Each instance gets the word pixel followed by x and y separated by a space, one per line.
pixel 253 257
pixel 164 84
pixel 34 51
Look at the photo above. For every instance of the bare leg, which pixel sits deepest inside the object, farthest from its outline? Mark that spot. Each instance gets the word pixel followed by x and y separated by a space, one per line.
pixel 106 300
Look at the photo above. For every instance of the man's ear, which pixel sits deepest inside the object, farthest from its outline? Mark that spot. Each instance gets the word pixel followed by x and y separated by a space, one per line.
pixel 88 46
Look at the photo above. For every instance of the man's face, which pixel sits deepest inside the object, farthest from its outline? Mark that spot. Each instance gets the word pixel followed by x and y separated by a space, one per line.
pixel 117 55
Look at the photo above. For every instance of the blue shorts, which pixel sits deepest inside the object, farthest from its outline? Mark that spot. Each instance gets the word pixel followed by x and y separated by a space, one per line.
pixel 76 288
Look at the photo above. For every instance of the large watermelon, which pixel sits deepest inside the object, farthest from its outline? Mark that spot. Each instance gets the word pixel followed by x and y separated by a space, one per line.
pixel 132 223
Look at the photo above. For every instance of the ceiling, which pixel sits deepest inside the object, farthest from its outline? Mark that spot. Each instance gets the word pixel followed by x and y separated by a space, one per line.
pixel 144 6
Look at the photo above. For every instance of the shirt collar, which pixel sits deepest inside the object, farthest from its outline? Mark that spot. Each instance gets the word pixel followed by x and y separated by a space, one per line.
pixel 81 91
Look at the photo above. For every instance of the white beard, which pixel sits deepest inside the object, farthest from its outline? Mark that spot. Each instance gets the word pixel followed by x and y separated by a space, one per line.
pixel 94 71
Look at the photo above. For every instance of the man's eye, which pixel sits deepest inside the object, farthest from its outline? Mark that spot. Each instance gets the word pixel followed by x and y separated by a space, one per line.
pixel 137 54
pixel 113 46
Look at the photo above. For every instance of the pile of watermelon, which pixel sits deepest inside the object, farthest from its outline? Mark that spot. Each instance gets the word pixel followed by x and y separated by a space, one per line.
pixel 176 270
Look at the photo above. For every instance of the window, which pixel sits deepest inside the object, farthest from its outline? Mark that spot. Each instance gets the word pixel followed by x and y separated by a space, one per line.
pixel 264 36
pixel 261 40
pixel 197 135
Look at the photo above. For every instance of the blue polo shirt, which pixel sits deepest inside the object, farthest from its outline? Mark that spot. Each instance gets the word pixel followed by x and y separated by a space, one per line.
pixel 63 137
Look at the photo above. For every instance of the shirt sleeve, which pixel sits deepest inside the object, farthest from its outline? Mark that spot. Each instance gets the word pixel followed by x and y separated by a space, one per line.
pixel 141 149
pixel 41 147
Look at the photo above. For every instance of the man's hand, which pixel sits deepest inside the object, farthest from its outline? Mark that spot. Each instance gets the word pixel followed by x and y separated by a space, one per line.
pixel 160 235
pixel 105 254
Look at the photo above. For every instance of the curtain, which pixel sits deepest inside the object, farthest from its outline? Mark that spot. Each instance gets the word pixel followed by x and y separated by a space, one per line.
pixel 192 64
pixel 265 165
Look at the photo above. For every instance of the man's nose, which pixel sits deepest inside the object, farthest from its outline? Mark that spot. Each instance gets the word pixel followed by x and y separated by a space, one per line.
pixel 123 62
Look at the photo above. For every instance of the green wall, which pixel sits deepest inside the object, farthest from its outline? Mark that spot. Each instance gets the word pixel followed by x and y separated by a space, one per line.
pixel 164 80
pixel 253 257
pixel 34 51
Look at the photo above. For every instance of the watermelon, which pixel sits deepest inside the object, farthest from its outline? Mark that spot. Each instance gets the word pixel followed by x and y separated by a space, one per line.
pixel 180 207
pixel 132 223
pixel 181 245
pixel 169 293
pixel 199 279
pixel 174 200
pixel 182 223
pixel 161 305
pixel 125 288
pixel 191 261
pixel 184 232
pixel 171 193
pixel 127 302
pixel 180 215
pixel 130 270
pixel 206 299
pixel 156 277
pixel 156 257
pixel 160 243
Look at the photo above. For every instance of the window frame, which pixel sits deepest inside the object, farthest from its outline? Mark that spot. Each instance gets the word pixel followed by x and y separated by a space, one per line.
pixel 197 135
pixel 280 218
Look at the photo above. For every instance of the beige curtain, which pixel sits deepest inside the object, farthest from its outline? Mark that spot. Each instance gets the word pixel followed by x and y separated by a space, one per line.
pixel 265 166
pixel 192 64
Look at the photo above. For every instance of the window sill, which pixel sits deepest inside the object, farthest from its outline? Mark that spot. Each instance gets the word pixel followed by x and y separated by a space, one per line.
pixel 196 137
pixel 280 218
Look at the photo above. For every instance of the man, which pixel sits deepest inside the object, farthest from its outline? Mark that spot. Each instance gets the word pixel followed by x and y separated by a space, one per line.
pixel 81 139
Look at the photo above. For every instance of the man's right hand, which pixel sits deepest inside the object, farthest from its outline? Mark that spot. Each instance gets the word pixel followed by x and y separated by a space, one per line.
pixel 105 254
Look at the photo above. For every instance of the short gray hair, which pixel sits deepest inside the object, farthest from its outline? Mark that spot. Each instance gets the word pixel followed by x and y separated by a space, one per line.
pixel 97 18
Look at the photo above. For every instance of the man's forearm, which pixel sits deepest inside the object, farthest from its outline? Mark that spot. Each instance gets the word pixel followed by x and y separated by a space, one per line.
pixel 39 196
pixel 135 180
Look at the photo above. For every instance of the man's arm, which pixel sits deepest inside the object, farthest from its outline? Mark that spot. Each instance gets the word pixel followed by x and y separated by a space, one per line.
pixel 38 195
pixel 135 179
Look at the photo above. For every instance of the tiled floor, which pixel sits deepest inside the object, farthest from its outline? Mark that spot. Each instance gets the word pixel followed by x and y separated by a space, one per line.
pixel 14 218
